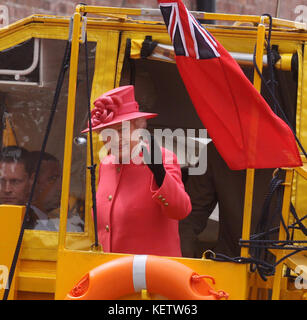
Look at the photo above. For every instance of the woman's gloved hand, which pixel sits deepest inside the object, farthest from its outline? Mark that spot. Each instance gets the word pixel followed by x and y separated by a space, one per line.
pixel 153 159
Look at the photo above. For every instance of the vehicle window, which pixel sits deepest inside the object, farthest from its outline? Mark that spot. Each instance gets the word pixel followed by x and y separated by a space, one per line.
pixel 28 78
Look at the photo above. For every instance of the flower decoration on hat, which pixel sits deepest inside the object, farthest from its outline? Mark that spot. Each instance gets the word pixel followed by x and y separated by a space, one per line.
pixel 106 108
pixel 116 106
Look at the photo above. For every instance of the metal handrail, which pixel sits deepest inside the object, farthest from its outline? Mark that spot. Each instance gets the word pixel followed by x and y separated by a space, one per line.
pixel 148 12
pixel 18 73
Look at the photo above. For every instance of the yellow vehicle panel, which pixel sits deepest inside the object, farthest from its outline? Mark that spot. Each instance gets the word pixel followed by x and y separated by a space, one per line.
pixel 52 262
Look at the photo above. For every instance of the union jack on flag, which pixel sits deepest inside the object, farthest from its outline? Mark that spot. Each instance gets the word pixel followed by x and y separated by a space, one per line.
pixel 244 129
pixel 190 39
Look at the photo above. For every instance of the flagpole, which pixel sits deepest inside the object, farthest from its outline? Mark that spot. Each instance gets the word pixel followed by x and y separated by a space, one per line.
pixel 250 173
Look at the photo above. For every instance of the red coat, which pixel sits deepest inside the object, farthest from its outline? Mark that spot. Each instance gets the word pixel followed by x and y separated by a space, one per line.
pixel 134 215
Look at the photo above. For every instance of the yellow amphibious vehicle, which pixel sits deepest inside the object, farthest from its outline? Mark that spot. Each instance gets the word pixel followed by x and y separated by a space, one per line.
pixel 48 264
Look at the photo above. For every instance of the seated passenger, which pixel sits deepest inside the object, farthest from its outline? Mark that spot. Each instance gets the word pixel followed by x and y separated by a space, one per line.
pixel 16 179
pixel 139 202
pixel 47 195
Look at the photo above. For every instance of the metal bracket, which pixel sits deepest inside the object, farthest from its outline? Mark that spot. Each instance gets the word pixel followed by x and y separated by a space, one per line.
pixel 83 29
pixel 71 23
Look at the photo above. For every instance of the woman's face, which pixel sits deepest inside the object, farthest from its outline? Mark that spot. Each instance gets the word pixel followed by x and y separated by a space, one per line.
pixel 118 139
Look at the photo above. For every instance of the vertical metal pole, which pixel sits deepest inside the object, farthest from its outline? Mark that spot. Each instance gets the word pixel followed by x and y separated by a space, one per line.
pixel 278 4
pixel 70 117
pixel 206 6
pixel 250 173
pixel 282 233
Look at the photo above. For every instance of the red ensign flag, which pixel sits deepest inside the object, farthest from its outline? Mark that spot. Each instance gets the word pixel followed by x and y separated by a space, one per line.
pixel 244 129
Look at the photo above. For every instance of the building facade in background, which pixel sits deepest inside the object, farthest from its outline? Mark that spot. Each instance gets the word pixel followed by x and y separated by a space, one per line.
pixel 13 10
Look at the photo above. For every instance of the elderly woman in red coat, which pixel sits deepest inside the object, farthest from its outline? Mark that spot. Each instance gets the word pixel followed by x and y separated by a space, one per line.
pixel 139 202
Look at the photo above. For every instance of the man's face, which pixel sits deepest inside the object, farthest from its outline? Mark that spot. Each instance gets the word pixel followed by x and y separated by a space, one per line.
pixel 15 183
pixel 48 188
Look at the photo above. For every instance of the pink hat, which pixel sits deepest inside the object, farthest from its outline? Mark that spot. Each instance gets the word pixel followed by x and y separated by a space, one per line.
pixel 116 106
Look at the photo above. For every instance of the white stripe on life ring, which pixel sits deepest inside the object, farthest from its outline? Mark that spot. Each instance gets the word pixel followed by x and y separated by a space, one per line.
pixel 139 272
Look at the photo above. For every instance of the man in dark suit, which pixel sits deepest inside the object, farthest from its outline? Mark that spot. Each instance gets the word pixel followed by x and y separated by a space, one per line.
pixel 225 187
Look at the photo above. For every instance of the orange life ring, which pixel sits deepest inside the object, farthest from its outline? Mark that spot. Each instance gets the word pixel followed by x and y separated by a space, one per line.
pixel 127 275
